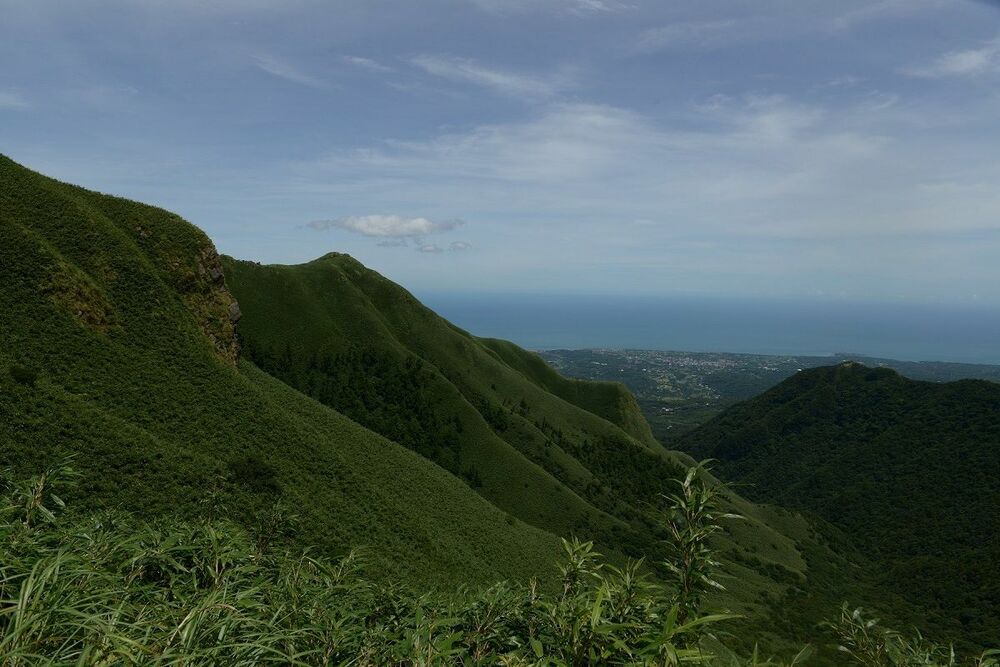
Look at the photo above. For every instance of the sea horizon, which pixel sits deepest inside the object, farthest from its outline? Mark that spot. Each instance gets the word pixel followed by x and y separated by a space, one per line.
pixel 780 327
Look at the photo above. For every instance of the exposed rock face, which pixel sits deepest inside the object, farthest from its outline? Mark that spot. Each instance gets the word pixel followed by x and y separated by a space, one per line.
pixel 213 304
pixel 195 271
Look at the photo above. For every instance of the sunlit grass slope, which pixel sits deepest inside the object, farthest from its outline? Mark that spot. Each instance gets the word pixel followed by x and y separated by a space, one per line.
pixel 116 344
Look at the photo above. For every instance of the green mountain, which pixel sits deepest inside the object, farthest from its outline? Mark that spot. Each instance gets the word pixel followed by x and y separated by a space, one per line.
pixel 910 470
pixel 117 344
pixel 565 456
pixel 331 390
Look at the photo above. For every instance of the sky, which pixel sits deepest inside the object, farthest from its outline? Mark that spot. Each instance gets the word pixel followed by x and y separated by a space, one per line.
pixel 788 148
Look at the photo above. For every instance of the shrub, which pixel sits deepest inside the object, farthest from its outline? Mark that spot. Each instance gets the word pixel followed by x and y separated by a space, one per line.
pixel 23 375
pixel 255 474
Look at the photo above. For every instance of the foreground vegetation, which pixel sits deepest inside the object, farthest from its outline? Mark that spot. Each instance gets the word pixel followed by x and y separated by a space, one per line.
pixel 110 590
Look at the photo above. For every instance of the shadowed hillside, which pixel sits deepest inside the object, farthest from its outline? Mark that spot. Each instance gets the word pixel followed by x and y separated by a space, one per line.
pixel 910 470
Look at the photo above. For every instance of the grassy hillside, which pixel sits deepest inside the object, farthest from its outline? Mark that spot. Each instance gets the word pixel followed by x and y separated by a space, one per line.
pixel 910 470
pixel 452 459
pixel 355 341
pixel 610 400
pixel 565 456
pixel 116 344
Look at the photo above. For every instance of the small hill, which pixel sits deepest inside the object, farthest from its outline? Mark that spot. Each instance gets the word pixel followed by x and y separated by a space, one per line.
pixel 909 470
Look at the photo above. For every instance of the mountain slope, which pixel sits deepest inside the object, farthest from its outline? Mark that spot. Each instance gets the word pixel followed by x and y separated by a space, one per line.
pixel 910 470
pixel 566 456
pixel 610 400
pixel 117 345
pixel 352 339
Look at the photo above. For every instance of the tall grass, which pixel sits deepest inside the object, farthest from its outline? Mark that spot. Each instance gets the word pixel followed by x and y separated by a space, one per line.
pixel 112 590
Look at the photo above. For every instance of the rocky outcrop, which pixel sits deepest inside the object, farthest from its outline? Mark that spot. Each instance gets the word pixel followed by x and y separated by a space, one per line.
pixel 214 306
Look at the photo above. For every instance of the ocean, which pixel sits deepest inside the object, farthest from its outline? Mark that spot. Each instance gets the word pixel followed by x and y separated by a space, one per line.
pixel 697 324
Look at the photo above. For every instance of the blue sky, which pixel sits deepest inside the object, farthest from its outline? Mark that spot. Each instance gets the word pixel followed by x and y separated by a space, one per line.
pixel 810 148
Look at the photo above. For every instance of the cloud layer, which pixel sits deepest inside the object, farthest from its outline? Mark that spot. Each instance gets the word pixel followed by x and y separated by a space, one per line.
pixel 388 226
pixel 499 81
pixel 798 146
pixel 984 59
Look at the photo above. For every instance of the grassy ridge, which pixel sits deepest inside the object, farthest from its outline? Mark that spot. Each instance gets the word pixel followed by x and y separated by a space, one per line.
pixel 121 312
pixel 332 326
pixel 610 400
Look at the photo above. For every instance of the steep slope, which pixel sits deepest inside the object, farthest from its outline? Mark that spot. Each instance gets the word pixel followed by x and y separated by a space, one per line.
pixel 910 470
pixel 610 400
pixel 355 341
pixel 566 456
pixel 117 345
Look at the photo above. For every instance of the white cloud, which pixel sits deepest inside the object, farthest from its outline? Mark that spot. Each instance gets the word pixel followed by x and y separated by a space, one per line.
pixel 882 10
pixel 573 7
pixel 393 243
pixel 287 71
pixel 13 100
pixel 387 226
pixel 689 34
pixel 762 166
pixel 366 63
pixel 966 62
pixel 502 82
pixel 434 248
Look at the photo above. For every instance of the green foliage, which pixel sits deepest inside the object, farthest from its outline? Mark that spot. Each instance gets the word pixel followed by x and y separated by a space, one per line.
pixel 693 518
pixel 255 474
pixel 124 309
pixel 110 590
pixel 867 643
pixel 35 499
